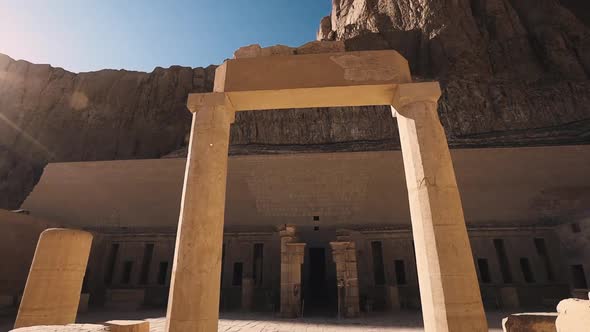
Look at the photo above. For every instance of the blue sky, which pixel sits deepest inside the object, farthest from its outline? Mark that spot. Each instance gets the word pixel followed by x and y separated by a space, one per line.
pixel 85 35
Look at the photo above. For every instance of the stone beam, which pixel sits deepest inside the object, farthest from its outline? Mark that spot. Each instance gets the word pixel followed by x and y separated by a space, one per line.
pixel 396 95
pixel 313 80
pixel 312 71
pixel 356 95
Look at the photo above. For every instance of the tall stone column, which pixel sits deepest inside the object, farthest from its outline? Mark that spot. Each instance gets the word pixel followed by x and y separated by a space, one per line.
pixel 291 259
pixel 52 292
pixel 247 294
pixel 449 290
pixel 193 304
pixel 344 255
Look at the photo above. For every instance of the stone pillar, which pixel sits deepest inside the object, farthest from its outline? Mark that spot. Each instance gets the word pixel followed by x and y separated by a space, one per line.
pixel 291 259
pixel 393 300
pixel 193 303
pixel 52 292
pixel 344 255
pixel 247 293
pixel 449 290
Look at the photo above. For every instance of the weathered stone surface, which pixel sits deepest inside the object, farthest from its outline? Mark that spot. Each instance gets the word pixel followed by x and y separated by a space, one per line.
pixel 52 291
pixel 128 326
pixel 276 50
pixel 250 51
pixel 573 315
pixel 323 46
pixel 537 322
pixel 514 72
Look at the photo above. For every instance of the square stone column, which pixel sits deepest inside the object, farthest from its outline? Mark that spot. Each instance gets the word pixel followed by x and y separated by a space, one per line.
pixel 52 292
pixel 291 259
pixel 344 255
pixel 247 293
pixel 193 304
pixel 449 290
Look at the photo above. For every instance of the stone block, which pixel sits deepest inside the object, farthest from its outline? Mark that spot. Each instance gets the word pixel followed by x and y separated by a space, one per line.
pixel 509 297
pixel 530 322
pixel 83 305
pixel 128 326
pixel 573 315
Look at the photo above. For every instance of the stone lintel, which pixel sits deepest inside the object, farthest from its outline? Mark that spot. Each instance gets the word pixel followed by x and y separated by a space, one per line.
pixel 312 71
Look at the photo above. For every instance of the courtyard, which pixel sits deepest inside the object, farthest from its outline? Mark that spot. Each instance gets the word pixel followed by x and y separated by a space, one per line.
pixel 402 321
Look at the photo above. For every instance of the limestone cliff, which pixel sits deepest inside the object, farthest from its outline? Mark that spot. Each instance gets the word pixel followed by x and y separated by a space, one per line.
pixel 514 72
pixel 49 114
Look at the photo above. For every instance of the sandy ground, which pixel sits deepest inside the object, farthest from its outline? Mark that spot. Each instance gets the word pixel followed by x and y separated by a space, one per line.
pixel 403 321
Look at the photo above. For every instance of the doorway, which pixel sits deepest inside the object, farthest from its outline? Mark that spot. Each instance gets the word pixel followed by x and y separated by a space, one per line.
pixel 319 296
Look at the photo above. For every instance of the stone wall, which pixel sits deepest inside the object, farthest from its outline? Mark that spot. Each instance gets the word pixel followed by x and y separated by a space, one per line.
pixel 512 186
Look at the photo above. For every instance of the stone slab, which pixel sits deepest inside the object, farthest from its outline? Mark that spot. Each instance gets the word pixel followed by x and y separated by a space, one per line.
pixel 530 322
pixel 128 326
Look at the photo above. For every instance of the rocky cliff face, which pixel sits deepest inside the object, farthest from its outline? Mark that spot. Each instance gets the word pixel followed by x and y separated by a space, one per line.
pixel 514 72
pixel 49 114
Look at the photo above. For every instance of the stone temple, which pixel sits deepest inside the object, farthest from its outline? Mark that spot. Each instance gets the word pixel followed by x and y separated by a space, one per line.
pixel 449 230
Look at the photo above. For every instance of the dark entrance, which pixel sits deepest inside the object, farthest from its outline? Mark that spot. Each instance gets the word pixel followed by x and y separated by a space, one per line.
pixel 319 296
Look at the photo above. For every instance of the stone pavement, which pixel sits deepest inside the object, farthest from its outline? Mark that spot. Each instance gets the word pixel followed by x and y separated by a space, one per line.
pixel 403 321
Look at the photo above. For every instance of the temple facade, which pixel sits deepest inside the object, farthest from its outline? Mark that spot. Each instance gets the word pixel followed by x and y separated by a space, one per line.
pixel 522 206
